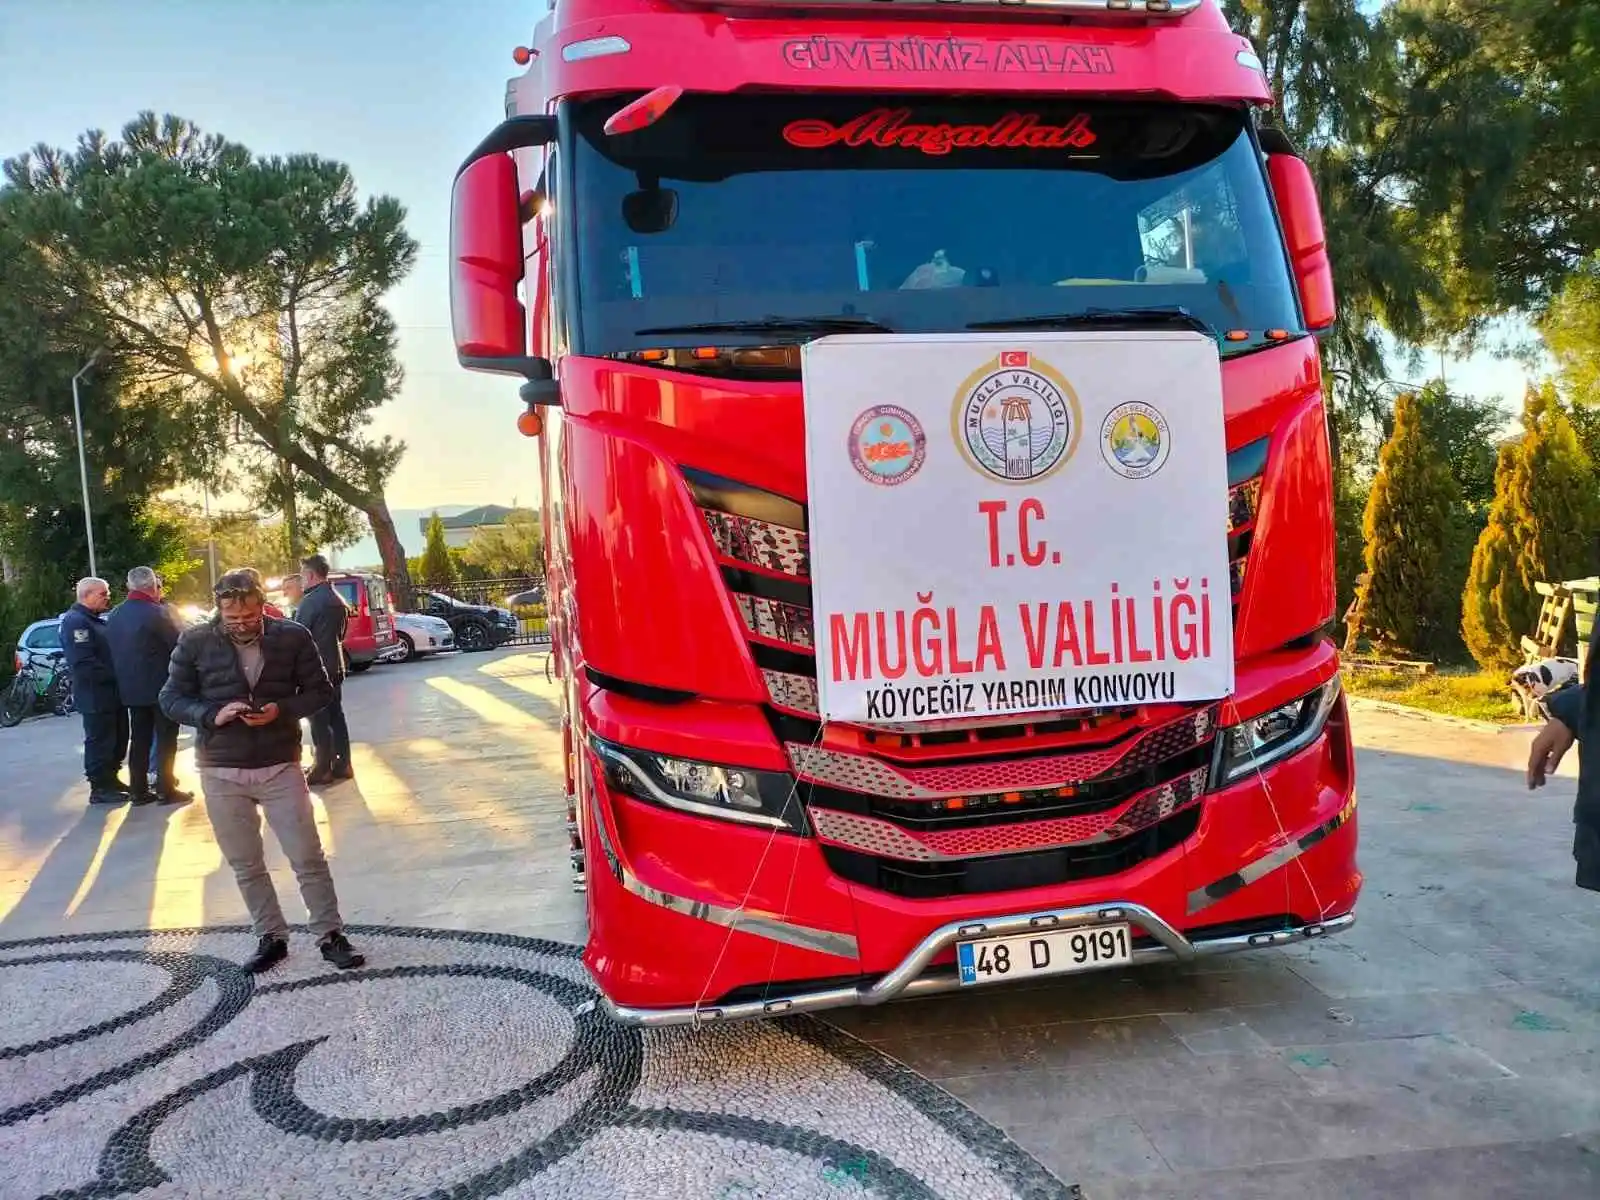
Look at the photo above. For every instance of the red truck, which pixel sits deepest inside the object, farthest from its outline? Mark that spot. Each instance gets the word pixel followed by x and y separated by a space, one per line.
pixel 937 490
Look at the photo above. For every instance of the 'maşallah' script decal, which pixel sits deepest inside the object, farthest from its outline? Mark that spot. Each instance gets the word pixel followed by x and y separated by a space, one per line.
pixel 893 127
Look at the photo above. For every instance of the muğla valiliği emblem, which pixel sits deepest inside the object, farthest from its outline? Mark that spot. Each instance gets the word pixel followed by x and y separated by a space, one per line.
pixel 1016 418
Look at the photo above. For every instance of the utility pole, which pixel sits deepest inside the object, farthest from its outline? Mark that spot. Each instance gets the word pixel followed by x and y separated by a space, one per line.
pixel 83 465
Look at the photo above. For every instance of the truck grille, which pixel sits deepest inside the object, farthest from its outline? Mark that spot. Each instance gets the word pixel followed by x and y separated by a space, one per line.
pixel 945 808
pixel 1010 872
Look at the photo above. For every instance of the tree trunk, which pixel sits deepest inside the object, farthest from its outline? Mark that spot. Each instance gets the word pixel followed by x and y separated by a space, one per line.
pixel 395 569
pixel 291 516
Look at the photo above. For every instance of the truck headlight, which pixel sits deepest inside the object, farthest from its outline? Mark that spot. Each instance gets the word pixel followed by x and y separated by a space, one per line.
pixel 769 799
pixel 1247 747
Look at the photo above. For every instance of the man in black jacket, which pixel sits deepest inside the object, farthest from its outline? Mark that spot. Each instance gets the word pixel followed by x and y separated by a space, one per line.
pixel 244 680
pixel 143 633
pixel 324 612
pixel 1575 717
pixel 94 691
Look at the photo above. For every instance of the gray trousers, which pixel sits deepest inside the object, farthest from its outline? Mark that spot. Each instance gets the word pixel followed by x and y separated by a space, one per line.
pixel 236 800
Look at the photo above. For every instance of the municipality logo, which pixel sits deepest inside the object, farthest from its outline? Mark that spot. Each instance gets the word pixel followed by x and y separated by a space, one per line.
pixel 1016 418
pixel 1135 440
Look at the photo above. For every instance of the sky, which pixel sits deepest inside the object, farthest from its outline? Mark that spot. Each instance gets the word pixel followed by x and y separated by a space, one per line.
pixel 400 91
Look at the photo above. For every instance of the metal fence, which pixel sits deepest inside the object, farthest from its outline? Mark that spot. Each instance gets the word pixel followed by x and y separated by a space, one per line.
pixel 532 627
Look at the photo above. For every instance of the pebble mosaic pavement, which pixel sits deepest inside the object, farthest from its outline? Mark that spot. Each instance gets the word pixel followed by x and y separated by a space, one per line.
pixel 454 1065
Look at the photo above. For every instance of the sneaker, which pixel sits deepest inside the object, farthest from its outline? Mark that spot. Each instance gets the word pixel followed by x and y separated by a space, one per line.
pixel 336 948
pixel 343 770
pixel 174 795
pixel 100 794
pixel 141 798
pixel 270 951
pixel 318 777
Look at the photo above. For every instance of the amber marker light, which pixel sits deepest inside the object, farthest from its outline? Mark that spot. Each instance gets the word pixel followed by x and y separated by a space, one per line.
pixel 646 110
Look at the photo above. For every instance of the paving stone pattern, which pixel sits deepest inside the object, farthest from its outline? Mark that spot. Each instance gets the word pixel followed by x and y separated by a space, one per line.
pixel 1448 1048
pixel 456 1064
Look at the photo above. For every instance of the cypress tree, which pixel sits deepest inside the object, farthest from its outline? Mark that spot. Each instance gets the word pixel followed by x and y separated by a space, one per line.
pixel 1489 596
pixel 438 568
pixel 1407 603
pixel 1541 528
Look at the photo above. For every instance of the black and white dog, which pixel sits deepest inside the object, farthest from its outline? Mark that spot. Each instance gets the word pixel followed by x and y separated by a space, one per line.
pixel 1536 681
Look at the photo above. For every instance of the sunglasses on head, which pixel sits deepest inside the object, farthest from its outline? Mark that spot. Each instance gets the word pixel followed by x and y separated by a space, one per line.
pixel 237 593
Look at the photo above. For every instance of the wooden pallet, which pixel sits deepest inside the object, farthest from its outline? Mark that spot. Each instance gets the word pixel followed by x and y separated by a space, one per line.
pixel 1396 665
pixel 1555 622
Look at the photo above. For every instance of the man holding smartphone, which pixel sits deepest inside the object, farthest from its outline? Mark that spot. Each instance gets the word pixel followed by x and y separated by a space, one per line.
pixel 244 680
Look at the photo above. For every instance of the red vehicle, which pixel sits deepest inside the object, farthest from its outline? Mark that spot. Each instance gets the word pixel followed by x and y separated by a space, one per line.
pixel 370 636
pixel 689 201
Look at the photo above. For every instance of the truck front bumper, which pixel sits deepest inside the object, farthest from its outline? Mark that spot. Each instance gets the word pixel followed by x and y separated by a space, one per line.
pixel 913 977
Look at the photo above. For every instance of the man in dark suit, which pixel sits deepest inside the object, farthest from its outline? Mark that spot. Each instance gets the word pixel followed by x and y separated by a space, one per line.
pixel 94 691
pixel 1575 717
pixel 143 632
pixel 324 612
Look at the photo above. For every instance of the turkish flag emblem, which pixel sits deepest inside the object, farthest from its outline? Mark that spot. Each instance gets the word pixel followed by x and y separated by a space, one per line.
pixel 1013 358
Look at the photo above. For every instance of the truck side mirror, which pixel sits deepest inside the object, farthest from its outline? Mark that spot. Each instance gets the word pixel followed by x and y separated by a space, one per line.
pixel 1301 214
pixel 487 316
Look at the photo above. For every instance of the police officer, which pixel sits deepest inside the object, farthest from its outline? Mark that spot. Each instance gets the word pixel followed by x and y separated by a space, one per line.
pixel 94 691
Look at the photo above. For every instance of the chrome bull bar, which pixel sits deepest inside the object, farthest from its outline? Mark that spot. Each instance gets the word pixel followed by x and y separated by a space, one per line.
pixel 909 979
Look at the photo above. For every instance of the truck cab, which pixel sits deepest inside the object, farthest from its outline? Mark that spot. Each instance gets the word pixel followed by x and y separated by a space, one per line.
pixel 689 208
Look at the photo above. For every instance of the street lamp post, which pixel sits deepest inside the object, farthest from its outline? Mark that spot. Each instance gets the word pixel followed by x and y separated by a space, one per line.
pixel 83 466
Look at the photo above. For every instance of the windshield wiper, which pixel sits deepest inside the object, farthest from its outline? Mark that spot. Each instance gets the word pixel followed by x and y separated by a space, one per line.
pixel 839 323
pixel 1154 317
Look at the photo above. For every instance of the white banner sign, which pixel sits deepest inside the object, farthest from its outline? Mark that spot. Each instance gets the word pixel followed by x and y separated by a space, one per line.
pixel 1019 522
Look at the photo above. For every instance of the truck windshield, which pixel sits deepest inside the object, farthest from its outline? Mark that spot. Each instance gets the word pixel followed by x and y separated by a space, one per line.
pixel 769 219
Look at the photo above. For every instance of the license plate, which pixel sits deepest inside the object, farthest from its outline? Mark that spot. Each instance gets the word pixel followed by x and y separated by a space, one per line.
pixel 1057 952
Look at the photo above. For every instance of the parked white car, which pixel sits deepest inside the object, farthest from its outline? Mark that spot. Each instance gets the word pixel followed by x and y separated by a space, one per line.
pixel 420 635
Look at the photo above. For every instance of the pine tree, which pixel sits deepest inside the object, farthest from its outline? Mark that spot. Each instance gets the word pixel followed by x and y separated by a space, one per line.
pixel 1541 529
pixel 1406 604
pixel 249 290
pixel 438 568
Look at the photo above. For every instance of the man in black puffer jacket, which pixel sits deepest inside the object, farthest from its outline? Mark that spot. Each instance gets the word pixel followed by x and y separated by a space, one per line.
pixel 244 680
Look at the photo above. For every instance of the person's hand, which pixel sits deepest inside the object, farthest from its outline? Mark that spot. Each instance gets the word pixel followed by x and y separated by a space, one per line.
pixel 1550 745
pixel 230 710
pixel 267 715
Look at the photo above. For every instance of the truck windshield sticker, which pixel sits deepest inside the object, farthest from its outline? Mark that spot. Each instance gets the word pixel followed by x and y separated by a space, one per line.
pixel 946 54
pixel 891 127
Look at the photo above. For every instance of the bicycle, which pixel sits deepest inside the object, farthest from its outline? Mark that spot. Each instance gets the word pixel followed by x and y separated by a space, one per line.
pixel 35 686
